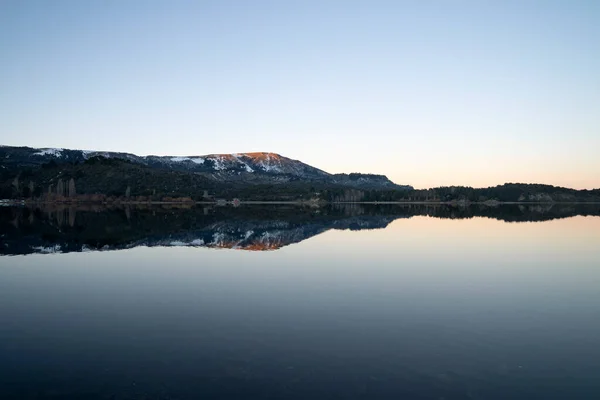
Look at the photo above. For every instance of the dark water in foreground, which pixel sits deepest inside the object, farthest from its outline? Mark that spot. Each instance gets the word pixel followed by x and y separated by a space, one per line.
pixel 350 303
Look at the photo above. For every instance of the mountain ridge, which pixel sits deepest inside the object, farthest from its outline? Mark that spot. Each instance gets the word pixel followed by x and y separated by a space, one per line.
pixel 64 175
pixel 267 167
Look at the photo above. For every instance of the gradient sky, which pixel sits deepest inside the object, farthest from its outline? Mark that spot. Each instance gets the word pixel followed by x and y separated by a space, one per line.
pixel 427 92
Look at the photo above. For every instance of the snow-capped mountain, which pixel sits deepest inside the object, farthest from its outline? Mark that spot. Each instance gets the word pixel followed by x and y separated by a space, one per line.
pixel 250 163
pixel 257 167
pixel 242 162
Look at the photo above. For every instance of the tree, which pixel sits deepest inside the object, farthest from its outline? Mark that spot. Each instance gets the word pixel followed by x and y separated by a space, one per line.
pixel 71 188
pixel 60 188
pixel 15 184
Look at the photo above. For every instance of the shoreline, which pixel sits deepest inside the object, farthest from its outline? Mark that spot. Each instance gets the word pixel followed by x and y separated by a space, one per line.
pixel 7 202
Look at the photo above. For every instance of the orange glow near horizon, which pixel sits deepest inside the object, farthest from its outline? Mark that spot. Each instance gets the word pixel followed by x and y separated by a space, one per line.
pixel 568 237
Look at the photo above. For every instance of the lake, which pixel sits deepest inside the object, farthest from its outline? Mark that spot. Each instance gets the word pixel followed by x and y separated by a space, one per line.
pixel 287 302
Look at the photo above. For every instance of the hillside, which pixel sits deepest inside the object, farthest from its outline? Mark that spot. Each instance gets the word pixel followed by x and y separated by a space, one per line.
pixel 247 168
pixel 77 175
pixel 69 176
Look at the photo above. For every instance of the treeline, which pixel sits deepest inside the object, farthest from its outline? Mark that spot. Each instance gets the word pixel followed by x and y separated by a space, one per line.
pixel 115 180
pixel 102 180
pixel 87 227
pixel 510 192
pixel 112 180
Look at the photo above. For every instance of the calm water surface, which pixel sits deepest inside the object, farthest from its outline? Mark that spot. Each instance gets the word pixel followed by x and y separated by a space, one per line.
pixel 419 308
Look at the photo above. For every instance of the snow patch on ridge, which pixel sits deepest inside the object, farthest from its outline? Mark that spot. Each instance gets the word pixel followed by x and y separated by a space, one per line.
pixel 86 153
pixel 246 166
pixel 268 166
pixel 195 160
pixel 180 159
pixel 219 164
pixel 49 152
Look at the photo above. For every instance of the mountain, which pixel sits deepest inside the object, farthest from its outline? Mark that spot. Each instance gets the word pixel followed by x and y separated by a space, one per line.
pixel 63 175
pixel 251 168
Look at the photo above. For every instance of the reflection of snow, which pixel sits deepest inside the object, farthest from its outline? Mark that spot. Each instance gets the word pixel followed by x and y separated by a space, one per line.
pixel 48 250
pixel 218 238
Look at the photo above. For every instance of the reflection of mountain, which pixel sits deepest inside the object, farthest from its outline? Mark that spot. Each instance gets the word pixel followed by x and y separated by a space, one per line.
pixel 26 231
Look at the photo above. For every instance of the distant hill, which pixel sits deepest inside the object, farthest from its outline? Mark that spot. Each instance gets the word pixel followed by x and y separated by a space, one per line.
pixel 56 173
pixel 511 193
pixel 259 167
pixel 80 175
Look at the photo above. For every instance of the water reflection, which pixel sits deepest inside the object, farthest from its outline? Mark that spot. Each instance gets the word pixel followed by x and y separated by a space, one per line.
pixel 53 229
pixel 427 308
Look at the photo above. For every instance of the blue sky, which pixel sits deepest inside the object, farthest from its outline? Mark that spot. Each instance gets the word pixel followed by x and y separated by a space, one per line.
pixel 427 92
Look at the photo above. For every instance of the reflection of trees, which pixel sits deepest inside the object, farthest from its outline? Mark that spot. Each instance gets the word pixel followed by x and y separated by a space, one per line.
pixel 245 227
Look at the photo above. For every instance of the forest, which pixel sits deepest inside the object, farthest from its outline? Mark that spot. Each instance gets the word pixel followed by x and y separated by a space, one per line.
pixel 106 180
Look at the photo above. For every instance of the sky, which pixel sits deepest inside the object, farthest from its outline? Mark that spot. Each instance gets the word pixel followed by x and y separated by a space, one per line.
pixel 429 93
